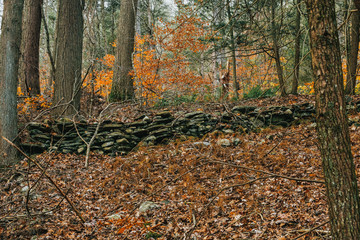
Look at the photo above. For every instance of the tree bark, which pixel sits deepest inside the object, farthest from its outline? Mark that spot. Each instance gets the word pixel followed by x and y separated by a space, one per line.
pixel 216 54
pixel 31 43
pixel 9 66
pixel 69 45
pixel 233 51
pixel 274 34
pixel 353 53
pixel 295 81
pixel 122 86
pixel 331 119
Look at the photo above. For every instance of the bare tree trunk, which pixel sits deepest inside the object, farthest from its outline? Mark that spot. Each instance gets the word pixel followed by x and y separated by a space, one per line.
pixel 233 51
pixel 216 63
pixel 150 18
pixel 275 34
pixel 29 71
pixel 295 81
pixel 122 86
pixel 9 64
pixel 332 122
pixel 353 53
pixel 139 17
pixel 69 45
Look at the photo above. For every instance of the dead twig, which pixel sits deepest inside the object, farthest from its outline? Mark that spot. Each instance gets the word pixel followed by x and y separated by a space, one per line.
pixel 265 172
pixel 49 178
pixel 312 229
pixel 89 144
pixel 188 233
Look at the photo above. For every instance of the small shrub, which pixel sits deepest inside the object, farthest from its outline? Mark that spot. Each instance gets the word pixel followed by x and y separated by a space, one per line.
pixel 177 100
pixel 257 92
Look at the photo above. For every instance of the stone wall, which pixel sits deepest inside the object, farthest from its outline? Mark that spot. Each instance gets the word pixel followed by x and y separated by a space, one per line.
pixel 119 138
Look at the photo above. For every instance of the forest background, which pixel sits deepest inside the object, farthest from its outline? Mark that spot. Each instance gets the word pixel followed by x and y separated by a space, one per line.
pixel 145 53
pixel 182 53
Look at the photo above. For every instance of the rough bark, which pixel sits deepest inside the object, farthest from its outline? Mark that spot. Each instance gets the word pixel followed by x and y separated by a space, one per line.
pixel 69 44
pixel 331 119
pixel 275 34
pixel 216 55
pixel 353 53
pixel 30 43
pixel 295 81
pixel 122 86
pixel 233 51
pixel 9 64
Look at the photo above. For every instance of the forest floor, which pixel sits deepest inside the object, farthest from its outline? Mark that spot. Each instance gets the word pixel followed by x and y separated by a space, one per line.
pixel 267 187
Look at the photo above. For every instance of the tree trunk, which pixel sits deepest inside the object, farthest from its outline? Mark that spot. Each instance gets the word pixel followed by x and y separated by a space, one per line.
pixel 216 63
pixel 295 81
pixel 69 44
pixel 9 66
pixel 29 71
pixel 331 120
pixel 275 34
pixel 233 51
pixel 353 53
pixel 122 86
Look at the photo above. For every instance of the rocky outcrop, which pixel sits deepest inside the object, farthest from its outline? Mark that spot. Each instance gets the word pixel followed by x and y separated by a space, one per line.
pixel 112 138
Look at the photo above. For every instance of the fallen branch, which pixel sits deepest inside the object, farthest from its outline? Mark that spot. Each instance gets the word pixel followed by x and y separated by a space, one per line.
pixel 312 229
pixel 89 144
pixel 49 178
pixel 265 172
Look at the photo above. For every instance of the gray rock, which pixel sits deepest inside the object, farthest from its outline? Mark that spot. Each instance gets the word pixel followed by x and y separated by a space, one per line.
pixel 224 142
pixel 25 189
pixel 146 119
pixel 112 126
pixel 107 144
pixel 116 135
pixel 122 141
pixel 154 127
pixel 288 111
pixel 128 131
pixel 201 144
pixel 236 141
pixel 115 216
pixel 66 150
pixel 163 120
pixel 193 114
pixel 41 137
pixel 228 131
pixel 141 133
pixel 124 149
pixel 164 114
pixel 137 124
pixel 148 205
pixel 161 132
pixel 81 150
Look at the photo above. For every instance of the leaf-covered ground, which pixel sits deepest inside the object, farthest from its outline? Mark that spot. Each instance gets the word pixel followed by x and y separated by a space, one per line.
pixel 196 189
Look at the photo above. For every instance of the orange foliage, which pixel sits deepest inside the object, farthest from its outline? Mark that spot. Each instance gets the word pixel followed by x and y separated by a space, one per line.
pixel 257 69
pixel 99 81
pixel 39 102
pixel 161 62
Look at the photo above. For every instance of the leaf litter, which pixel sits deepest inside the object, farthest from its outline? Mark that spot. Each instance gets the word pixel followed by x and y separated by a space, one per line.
pixel 184 190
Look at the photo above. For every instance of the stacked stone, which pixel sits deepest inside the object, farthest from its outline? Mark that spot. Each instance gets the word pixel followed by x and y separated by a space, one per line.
pixel 195 124
pixel 63 136
pixel 160 129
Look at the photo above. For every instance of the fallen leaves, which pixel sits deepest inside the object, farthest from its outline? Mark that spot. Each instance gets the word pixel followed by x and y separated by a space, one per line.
pixel 195 194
